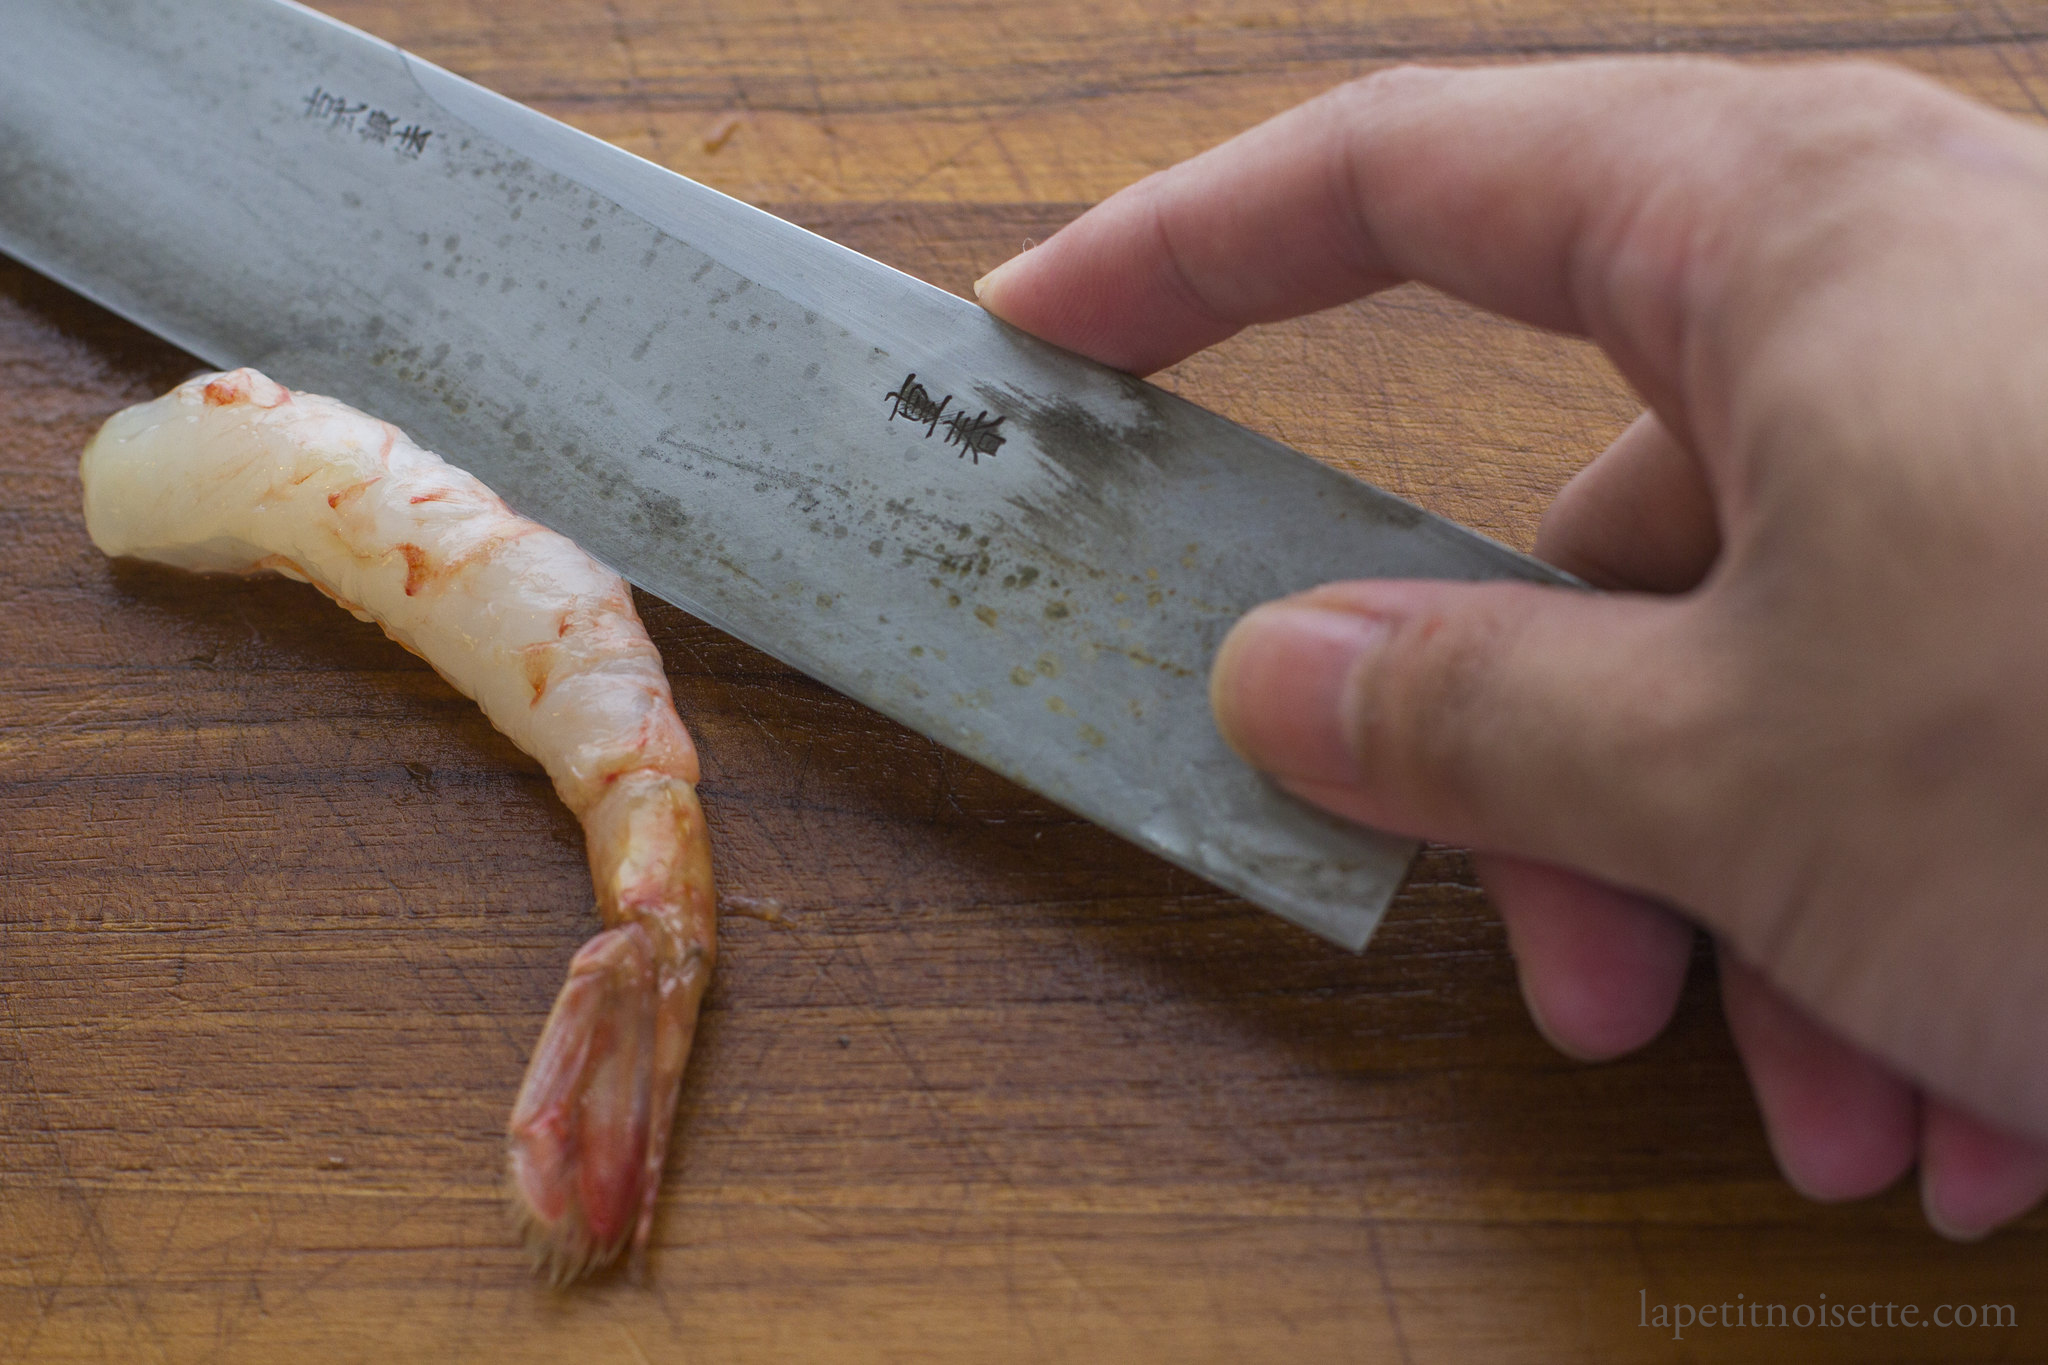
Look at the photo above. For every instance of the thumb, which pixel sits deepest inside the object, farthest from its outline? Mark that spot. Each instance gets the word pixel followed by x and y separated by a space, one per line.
pixel 1567 727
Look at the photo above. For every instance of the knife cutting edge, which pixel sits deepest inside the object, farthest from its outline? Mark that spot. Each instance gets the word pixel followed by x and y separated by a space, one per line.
pixel 1026 556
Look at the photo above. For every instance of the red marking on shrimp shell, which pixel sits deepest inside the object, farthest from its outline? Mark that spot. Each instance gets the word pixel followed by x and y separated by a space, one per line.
pixel 538 666
pixel 245 386
pixel 417 570
pixel 348 494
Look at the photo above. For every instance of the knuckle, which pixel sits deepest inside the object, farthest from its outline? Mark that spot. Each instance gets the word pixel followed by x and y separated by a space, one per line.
pixel 1826 172
pixel 1407 80
pixel 1684 716
pixel 1425 715
pixel 1827 84
pixel 1842 121
pixel 1688 746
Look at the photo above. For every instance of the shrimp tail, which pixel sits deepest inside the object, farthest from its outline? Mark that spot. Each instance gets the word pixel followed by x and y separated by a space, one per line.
pixel 589 1133
pixel 580 1126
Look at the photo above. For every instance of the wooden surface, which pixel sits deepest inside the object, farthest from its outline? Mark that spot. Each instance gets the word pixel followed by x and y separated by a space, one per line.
pixel 280 915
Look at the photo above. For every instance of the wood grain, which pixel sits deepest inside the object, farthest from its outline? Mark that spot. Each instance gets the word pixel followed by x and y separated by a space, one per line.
pixel 280 914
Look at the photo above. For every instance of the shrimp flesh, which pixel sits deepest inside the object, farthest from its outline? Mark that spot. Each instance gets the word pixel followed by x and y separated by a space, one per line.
pixel 232 473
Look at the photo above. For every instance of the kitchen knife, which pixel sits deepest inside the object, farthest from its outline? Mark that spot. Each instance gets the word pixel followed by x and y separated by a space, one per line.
pixel 1020 553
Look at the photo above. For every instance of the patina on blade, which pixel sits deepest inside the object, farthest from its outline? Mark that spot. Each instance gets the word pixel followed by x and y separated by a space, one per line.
pixel 1022 554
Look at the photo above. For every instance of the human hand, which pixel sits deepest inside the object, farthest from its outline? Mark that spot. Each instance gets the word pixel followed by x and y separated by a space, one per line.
pixel 1810 715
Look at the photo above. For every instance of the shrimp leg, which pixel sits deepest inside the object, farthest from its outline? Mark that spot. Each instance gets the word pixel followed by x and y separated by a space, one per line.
pixel 232 473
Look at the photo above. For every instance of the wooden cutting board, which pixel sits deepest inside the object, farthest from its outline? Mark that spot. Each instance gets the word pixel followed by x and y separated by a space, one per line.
pixel 280 914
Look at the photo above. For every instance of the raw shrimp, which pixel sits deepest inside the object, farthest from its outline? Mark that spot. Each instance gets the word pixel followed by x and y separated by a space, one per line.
pixel 232 473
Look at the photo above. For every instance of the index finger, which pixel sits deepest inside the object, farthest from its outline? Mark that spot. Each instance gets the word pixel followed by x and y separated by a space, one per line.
pixel 1602 198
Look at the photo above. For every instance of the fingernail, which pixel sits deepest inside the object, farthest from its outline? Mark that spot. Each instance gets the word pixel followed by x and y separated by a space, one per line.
pixel 1280 688
pixel 1946 1224
pixel 1965 1214
pixel 1975 1177
pixel 981 285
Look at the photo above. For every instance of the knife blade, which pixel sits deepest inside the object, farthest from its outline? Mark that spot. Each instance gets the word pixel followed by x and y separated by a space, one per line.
pixel 1024 555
